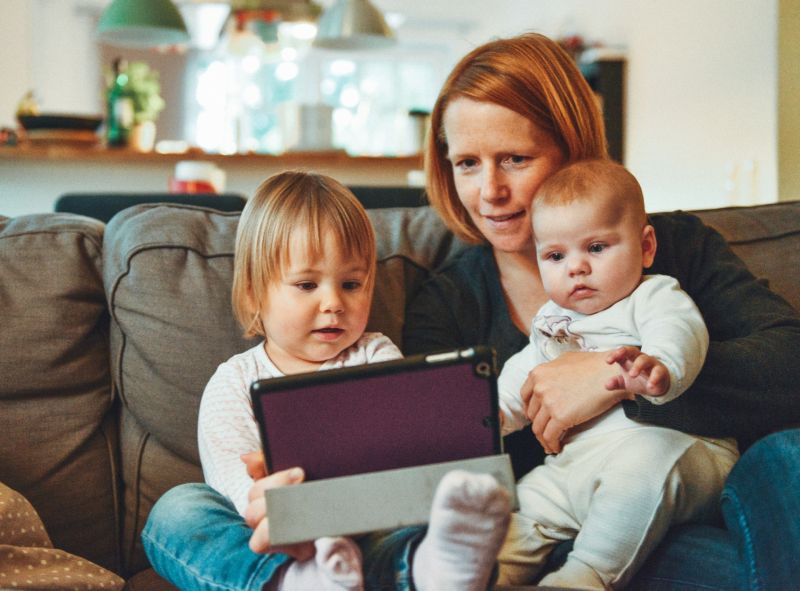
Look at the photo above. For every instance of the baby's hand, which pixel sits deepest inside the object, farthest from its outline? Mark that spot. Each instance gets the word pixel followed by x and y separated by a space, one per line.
pixel 641 373
pixel 256 513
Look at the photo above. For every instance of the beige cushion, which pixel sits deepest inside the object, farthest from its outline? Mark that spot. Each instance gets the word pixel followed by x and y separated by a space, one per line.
pixel 29 561
pixel 55 388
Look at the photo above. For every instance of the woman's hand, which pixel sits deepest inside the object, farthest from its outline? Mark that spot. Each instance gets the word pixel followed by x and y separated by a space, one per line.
pixel 568 391
pixel 256 513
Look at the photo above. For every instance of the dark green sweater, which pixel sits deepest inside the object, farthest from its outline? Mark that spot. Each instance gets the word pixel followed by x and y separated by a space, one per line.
pixel 749 385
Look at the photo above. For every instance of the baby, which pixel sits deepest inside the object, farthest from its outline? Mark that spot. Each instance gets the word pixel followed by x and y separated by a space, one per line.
pixel 617 485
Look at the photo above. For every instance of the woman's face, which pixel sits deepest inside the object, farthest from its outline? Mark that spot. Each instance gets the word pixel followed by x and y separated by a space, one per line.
pixel 499 159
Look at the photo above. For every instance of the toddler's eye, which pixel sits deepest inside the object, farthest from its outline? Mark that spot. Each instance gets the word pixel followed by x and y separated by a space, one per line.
pixel 351 285
pixel 305 285
pixel 595 248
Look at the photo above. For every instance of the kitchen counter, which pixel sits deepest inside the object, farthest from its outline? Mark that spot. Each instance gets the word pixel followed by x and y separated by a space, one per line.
pixel 32 176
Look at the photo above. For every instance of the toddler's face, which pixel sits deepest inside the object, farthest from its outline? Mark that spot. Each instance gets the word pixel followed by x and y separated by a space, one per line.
pixel 318 307
pixel 590 259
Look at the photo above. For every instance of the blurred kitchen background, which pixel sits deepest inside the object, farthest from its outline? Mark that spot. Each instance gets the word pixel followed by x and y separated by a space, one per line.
pixel 709 95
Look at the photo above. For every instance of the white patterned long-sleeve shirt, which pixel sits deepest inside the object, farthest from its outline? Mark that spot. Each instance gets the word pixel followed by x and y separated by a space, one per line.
pixel 659 317
pixel 227 427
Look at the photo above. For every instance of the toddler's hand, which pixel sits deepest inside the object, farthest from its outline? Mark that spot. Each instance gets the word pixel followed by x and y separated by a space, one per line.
pixel 256 466
pixel 641 373
pixel 256 514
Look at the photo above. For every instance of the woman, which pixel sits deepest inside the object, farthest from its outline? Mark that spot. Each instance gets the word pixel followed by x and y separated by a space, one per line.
pixel 511 113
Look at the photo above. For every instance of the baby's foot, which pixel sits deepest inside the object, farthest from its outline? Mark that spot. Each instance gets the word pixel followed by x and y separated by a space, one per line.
pixel 335 567
pixel 469 519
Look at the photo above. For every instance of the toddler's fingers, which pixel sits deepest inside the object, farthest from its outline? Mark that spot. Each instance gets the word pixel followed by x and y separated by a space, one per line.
pixel 256 468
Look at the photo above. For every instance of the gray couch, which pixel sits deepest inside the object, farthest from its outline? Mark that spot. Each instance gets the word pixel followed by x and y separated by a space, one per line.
pixel 109 334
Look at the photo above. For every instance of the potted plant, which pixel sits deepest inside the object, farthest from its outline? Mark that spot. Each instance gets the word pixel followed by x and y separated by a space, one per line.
pixel 136 86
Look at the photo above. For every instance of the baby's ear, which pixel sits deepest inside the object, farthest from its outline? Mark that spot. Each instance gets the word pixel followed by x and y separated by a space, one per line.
pixel 648 246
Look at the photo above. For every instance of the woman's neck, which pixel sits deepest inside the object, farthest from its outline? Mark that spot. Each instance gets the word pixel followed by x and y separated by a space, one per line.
pixel 522 285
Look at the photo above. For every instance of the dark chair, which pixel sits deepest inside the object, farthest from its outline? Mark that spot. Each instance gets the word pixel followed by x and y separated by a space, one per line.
pixel 380 197
pixel 103 206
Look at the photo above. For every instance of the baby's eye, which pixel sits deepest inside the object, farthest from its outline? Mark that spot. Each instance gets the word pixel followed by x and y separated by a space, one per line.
pixel 351 285
pixel 555 256
pixel 597 247
pixel 305 285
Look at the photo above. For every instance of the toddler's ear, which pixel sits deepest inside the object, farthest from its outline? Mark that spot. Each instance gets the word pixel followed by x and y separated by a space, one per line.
pixel 648 246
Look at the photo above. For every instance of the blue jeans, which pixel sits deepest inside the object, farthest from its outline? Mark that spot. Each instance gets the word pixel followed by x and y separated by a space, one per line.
pixel 195 539
pixel 761 504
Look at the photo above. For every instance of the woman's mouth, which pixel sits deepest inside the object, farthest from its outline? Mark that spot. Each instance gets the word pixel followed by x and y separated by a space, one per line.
pixel 500 220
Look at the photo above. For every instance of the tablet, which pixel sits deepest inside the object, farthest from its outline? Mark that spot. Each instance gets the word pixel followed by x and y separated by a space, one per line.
pixel 420 410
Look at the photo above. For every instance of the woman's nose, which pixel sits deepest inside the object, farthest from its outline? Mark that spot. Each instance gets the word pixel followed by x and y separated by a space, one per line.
pixel 491 185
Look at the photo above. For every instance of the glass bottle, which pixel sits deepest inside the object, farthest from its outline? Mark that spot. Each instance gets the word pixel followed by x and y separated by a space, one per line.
pixel 119 121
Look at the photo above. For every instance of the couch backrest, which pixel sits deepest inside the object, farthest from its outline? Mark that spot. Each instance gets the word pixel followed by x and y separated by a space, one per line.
pixel 767 238
pixel 167 272
pixel 56 432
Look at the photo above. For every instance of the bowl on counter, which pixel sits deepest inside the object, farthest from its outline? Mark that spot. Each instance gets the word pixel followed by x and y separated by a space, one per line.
pixel 61 122
pixel 54 128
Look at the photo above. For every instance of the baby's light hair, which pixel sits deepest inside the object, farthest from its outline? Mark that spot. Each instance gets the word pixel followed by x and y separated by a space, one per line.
pixel 284 204
pixel 585 180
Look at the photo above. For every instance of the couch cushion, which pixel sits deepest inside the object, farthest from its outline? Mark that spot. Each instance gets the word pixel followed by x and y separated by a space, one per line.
pixel 767 238
pixel 168 273
pixel 55 391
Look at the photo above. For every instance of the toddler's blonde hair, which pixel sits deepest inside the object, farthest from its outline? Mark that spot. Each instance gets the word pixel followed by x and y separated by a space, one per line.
pixel 284 204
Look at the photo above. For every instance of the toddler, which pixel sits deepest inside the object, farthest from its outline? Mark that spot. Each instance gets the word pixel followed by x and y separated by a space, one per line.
pixel 617 485
pixel 304 273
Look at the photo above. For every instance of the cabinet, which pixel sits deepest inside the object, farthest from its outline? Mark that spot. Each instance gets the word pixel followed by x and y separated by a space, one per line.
pixel 606 76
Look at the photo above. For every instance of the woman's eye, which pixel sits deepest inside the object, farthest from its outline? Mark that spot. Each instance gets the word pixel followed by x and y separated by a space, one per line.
pixel 466 164
pixel 595 248
pixel 516 160
pixel 306 285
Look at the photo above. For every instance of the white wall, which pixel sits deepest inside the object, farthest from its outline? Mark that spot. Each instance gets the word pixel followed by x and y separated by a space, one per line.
pixel 701 87
pixel 701 101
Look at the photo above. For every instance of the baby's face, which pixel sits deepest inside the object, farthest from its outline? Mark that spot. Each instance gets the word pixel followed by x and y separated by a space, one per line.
pixel 589 258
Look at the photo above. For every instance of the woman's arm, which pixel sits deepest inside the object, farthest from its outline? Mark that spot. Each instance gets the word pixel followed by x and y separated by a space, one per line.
pixel 750 383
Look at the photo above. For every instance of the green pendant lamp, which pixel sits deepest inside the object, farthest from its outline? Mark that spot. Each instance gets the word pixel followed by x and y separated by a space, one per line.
pixel 142 23
pixel 353 24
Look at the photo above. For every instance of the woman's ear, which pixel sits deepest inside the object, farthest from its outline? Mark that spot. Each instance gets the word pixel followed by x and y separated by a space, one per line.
pixel 648 246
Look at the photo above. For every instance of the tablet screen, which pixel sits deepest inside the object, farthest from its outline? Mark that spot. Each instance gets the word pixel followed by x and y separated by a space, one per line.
pixel 420 410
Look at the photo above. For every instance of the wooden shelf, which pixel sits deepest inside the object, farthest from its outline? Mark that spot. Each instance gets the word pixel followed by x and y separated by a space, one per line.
pixel 62 152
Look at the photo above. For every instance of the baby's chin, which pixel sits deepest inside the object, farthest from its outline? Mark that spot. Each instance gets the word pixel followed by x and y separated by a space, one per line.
pixel 587 306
